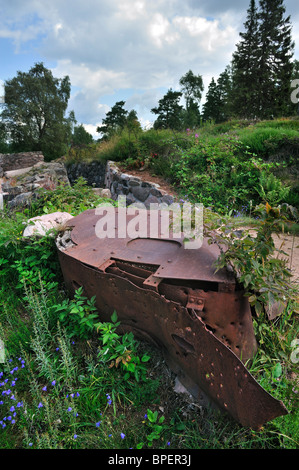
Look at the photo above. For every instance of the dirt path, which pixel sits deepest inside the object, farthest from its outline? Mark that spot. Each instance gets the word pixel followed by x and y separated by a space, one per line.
pixel 287 243
pixel 290 245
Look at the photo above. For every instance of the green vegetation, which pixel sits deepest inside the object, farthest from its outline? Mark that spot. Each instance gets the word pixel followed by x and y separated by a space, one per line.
pixel 33 116
pixel 71 381
pixel 231 166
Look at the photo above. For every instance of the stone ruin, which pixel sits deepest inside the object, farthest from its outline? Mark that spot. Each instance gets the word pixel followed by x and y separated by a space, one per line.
pixel 22 174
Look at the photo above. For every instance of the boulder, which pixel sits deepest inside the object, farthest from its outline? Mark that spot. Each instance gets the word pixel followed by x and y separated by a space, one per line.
pixel 40 225
pixel 102 192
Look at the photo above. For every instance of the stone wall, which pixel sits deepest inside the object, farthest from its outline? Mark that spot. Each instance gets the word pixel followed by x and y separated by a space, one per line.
pixel 93 172
pixel 19 182
pixel 134 188
pixel 20 190
pixel 16 161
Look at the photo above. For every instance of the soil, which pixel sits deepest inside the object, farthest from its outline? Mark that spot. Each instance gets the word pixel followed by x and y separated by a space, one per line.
pixel 287 243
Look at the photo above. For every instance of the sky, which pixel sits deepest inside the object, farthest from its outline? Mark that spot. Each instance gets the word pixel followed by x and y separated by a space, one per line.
pixel 123 50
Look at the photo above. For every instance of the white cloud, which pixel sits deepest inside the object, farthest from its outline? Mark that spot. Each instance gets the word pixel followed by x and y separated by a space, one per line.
pixel 92 129
pixel 109 46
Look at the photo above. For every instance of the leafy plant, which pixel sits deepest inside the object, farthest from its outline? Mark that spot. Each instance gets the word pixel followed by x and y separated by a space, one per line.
pixel 74 199
pixel 272 190
pixel 78 315
pixel 265 277
pixel 121 351
pixel 155 428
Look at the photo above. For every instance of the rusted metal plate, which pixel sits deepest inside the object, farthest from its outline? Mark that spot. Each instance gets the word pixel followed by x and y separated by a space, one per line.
pixel 168 254
pixel 202 323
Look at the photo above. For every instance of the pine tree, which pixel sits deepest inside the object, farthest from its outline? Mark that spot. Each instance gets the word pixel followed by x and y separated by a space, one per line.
pixel 211 106
pixel 115 120
pixel 217 105
pixel 244 96
pixel 274 66
pixel 169 111
pixel 262 64
pixel 224 91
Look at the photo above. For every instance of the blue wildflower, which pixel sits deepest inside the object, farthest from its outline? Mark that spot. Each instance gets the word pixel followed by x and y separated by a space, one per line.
pixel 108 399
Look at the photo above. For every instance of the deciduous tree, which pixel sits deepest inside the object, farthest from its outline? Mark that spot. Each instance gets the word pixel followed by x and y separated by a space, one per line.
pixel 192 88
pixel 81 136
pixel 34 112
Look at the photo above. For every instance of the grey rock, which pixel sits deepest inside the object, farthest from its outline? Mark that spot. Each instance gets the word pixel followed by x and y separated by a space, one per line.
pixel 125 177
pixel 140 193
pixel 155 192
pixel 151 200
pixel 167 199
pixel 130 200
pixel 133 183
pixel 11 190
pixel 23 199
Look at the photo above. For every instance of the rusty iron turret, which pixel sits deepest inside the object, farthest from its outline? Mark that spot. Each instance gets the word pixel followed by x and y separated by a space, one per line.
pixel 172 297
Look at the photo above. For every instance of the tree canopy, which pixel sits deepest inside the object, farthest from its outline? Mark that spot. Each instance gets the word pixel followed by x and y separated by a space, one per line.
pixel 81 136
pixel 168 111
pixel 258 82
pixel 34 112
pixel 262 64
pixel 115 119
pixel 192 88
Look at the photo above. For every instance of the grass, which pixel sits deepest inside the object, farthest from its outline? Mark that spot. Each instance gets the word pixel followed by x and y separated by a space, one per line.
pixel 59 396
